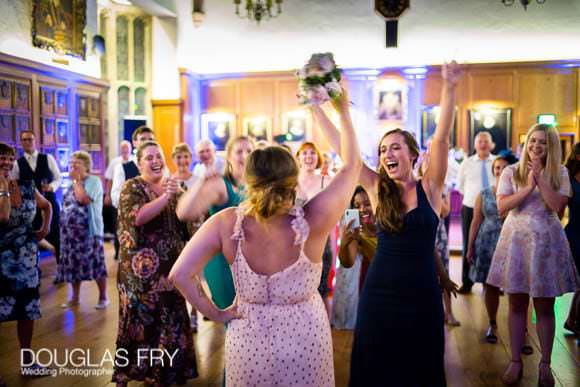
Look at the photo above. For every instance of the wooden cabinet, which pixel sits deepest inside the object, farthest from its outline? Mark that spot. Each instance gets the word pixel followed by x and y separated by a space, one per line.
pixel 63 109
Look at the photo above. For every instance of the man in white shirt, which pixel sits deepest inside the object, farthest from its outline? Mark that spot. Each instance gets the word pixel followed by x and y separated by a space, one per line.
pixel 208 160
pixel 128 170
pixel 124 157
pixel 43 170
pixel 474 175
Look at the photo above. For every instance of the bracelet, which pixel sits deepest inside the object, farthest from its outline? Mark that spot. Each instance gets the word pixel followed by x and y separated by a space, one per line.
pixel 4 194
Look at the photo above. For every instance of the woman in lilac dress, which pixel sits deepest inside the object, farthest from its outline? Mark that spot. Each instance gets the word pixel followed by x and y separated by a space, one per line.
pixel 82 256
pixel 532 257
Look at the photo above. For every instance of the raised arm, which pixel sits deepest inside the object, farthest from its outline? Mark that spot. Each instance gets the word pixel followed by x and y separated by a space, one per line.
pixel 205 192
pixel 349 241
pixel 368 177
pixel 206 243
pixel 326 208
pixel 439 150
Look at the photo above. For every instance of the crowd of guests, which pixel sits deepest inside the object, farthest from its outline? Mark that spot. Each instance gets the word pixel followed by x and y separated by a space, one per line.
pixel 247 241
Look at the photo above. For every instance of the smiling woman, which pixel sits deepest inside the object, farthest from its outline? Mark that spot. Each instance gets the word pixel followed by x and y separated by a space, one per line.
pixel 19 274
pixel 532 257
pixel 151 238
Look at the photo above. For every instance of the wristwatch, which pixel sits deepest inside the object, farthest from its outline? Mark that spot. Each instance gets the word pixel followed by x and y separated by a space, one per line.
pixel 4 194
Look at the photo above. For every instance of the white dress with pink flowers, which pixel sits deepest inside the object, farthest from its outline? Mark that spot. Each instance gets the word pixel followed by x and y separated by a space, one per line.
pixel 284 337
pixel 532 254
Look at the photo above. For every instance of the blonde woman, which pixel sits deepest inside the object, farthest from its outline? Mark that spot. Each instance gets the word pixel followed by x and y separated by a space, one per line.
pixel 214 193
pixel 182 158
pixel 310 182
pixel 82 254
pixel 278 332
pixel 532 256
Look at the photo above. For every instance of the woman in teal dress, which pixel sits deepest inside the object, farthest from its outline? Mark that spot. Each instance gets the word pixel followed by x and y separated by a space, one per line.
pixel 215 193
pixel 19 271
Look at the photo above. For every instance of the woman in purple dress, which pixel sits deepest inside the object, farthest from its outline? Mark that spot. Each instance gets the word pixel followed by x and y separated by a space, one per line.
pixel 532 257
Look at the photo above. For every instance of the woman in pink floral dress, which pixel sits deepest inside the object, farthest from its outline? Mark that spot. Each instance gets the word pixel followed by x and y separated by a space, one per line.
pixel 532 257
pixel 278 331
pixel 152 314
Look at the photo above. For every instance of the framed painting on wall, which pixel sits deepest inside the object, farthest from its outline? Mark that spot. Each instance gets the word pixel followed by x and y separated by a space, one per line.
pixel 295 126
pixel 46 100
pixel 21 123
pixel 83 106
pixel 429 120
pixel 61 103
pixel 7 129
pixel 258 128
pixel 567 144
pixel 48 131
pixel 5 94
pixel 60 25
pixel 22 97
pixel 63 158
pixel 218 127
pixel 496 121
pixel 62 132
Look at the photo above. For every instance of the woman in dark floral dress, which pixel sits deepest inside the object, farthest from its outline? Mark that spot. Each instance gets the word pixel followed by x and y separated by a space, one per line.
pixel 82 256
pixel 152 314
pixel 19 273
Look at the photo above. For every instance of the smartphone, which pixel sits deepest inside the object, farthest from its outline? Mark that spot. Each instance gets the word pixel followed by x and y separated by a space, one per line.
pixel 352 214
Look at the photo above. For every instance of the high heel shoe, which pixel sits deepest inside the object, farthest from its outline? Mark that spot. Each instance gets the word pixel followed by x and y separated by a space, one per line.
pixel 545 377
pixel 510 378
pixel 490 335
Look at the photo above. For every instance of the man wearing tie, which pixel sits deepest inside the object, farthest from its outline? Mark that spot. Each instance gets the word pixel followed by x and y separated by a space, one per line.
pixel 43 170
pixel 474 175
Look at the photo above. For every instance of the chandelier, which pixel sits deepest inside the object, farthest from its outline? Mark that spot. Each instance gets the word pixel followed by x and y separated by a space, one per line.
pixel 525 3
pixel 259 9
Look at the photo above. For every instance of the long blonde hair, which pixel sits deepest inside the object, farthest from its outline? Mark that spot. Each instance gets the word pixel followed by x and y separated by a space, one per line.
pixel 553 159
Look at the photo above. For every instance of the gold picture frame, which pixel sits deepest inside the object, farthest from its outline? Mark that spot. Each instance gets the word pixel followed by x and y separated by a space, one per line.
pixel 258 128
pixel 219 128
pixel 59 25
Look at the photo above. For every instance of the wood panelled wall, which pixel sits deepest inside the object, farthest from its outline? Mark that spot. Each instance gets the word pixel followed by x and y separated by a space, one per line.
pixel 167 124
pixel 63 109
pixel 528 88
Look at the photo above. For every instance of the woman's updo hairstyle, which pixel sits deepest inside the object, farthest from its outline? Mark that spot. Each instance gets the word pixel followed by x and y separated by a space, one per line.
pixel 271 180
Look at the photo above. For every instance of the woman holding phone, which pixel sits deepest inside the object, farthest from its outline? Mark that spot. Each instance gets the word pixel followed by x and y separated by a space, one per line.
pixel 357 248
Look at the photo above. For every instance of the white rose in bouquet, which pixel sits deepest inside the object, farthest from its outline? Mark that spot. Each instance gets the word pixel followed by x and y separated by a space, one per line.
pixel 319 80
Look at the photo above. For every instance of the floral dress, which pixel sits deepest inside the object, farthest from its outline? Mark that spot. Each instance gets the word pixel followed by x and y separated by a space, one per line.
pixel 152 313
pixel 82 256
pixel 19 274
pixel 532 255
pixel 487 237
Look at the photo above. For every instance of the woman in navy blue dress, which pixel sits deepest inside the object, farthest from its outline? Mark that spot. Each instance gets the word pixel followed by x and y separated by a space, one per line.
pixel 400 315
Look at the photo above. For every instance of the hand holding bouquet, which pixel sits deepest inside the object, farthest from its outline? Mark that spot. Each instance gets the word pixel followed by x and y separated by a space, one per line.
pixel 319 80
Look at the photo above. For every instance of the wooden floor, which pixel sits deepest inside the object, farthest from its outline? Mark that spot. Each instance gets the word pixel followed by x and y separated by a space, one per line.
pixel 469 361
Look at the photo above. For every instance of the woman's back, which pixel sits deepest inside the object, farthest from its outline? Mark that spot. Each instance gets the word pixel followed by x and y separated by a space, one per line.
pixel 284 336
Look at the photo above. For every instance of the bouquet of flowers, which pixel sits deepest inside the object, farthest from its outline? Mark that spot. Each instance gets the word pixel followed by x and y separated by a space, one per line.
pixel 319 80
